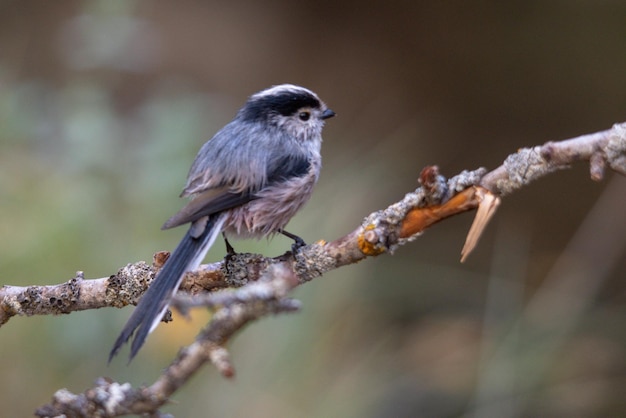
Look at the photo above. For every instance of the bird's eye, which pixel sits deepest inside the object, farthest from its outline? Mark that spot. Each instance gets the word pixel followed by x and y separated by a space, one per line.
pixel 304 116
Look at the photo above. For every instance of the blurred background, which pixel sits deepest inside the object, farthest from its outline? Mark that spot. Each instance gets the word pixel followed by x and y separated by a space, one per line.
pixel 104 104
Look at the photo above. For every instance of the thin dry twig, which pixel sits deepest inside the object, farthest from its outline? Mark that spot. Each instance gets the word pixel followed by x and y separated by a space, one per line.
pixel 264 282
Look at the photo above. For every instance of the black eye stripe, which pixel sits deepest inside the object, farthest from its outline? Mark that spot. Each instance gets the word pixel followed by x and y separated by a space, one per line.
pixel 289 103
pixel 286 104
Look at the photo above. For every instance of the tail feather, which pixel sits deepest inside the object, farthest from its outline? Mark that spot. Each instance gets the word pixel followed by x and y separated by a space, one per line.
pixel 187 256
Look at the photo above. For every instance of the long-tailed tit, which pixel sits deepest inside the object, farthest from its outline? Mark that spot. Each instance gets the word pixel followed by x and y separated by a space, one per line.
pixel 247 181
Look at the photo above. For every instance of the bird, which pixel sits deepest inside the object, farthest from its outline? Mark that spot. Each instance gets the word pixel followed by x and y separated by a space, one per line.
pixel 247 181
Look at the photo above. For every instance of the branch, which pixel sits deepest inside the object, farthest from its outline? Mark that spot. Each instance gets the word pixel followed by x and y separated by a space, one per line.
pixel 263 282
pixel 110 399
pixel 528 164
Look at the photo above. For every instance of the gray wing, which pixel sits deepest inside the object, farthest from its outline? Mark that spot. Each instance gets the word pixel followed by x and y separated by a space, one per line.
pixel 217 199
pixel 234 158
pixel 208 203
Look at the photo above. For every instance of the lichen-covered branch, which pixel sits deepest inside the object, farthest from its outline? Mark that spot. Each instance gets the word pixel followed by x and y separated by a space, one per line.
pixel 601 149
pixel 263 283
pixel 109 399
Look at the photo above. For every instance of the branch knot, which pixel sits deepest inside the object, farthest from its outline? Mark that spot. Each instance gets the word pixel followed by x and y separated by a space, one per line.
pixel 616 148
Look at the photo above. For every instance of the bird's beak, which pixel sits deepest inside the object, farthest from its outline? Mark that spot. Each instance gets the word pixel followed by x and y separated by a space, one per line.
pixel 328 113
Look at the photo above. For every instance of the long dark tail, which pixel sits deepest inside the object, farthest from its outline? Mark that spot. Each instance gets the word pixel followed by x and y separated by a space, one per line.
pixel 187 256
